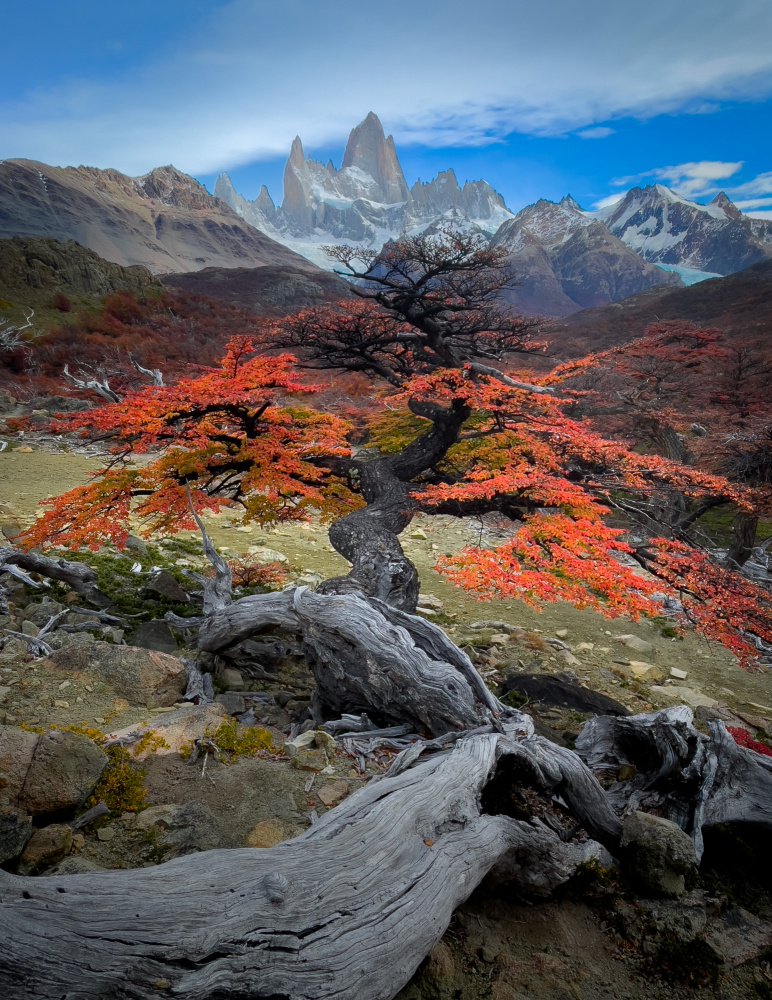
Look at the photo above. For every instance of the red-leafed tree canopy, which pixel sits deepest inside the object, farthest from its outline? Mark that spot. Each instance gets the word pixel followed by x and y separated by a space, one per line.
pixel 458 429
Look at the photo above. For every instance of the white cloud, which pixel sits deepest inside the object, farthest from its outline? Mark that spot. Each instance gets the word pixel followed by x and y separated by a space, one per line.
pixel 597 132
pixel 752 203
pixel 241 84
pixel 690 180
pixel 760 215
pixel 760 185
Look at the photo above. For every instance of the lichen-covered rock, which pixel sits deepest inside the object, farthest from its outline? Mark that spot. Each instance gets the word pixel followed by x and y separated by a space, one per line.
pixel 47 847
pixel 163 584
pixel 657 853
pixel 142 676
pixel 64 770
pixel 183 829
pixel 309 750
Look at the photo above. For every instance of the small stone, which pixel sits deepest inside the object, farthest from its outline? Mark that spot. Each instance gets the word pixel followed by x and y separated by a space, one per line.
pixel 4 692
pixel 331 794
pixel 418 533
pixel 308 759
pixel 25 450
pixel 588 646
pixel 135 544
pixel 499 638
pixel 645 671
pixel 78 842
pixel 635 643
pixel 47 847
pixel 106 833
pixel 561 633
pixel 30 629
pixel 269 833
pixel 64 685
pixel 263 554
pixel 679 675
pixel 120 705
pixel 61 704
pixel 687 696
pixel 430 601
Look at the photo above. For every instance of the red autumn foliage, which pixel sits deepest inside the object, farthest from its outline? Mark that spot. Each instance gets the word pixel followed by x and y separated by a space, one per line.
pixel 744 739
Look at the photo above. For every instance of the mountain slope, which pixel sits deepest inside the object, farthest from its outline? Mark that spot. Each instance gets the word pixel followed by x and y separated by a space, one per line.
pixel 665 228
pixel 33 269
pixel 165 220
pixel 367 200
pixel 739 304
pixel 267 291
pixel 566 260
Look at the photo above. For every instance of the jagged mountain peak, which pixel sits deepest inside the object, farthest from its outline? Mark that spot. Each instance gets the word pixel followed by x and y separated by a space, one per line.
pixel 370 151
pixel 667 229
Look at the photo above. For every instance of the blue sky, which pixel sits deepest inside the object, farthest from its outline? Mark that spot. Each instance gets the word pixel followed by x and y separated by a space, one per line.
pixel 587 98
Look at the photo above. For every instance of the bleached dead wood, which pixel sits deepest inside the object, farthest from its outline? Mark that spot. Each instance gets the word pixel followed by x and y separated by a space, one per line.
pixel 693 779
pixel 348 910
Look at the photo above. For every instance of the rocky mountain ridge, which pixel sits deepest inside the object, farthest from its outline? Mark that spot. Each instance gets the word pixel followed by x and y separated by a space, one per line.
pixel 165 221
pixel 565 260
pixel 671 231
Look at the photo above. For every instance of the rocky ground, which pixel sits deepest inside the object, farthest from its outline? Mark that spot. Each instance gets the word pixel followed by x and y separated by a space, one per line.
pixel 172 792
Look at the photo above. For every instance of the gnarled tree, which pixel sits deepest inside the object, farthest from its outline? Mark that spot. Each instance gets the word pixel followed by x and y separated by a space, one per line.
pixel 362 896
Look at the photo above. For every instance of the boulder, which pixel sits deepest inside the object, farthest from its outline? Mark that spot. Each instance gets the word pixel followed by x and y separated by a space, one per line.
pixel 46 847
pixel 232 702
pixel 15 831
pixel 154 635
pixel 657 853
pixel 233 679
pixel 142 676
pixel 332 793
pixel 739 937
pixel 73 864
pixel 183 829
pixel 262 554
pixel 40 614
pixel 63 772
pixel 163 584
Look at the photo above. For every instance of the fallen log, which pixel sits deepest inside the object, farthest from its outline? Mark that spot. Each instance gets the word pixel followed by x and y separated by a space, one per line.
pixel 347 910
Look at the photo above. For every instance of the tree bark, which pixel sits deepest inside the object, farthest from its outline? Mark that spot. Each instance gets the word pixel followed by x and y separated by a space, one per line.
pixel 348 910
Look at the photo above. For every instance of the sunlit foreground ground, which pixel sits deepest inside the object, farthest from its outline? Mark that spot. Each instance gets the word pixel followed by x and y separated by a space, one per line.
pixel 28 478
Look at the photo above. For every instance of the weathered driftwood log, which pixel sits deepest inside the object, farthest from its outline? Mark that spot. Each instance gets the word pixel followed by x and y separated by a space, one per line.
pixel 79 576
pixel 678 772
pixel 348 910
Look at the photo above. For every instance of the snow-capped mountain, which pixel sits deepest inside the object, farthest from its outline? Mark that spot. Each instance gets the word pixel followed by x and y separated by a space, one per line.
pixel 681 235
pixel 565 260
pixel 366 201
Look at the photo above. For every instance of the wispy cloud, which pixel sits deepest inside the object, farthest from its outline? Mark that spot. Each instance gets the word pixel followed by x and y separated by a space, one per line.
pixel 690 180
pixel 597 132
pixel 241 82
pixel 607 202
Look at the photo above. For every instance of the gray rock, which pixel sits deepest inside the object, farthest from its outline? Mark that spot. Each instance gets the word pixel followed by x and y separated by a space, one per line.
pixel 134 544
pixel 685 919
pixel 17 748
pixel 232 702
pixel 46 847
pixel 29 628
pixel 39 614
pixel 154 634
pixel 73 864
pixel 163 584
pixel 739 937
pixel 64 770
pixel 233 679
pixel 15 831
pixel 183 829
pixel 657 853
pixel 142 676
